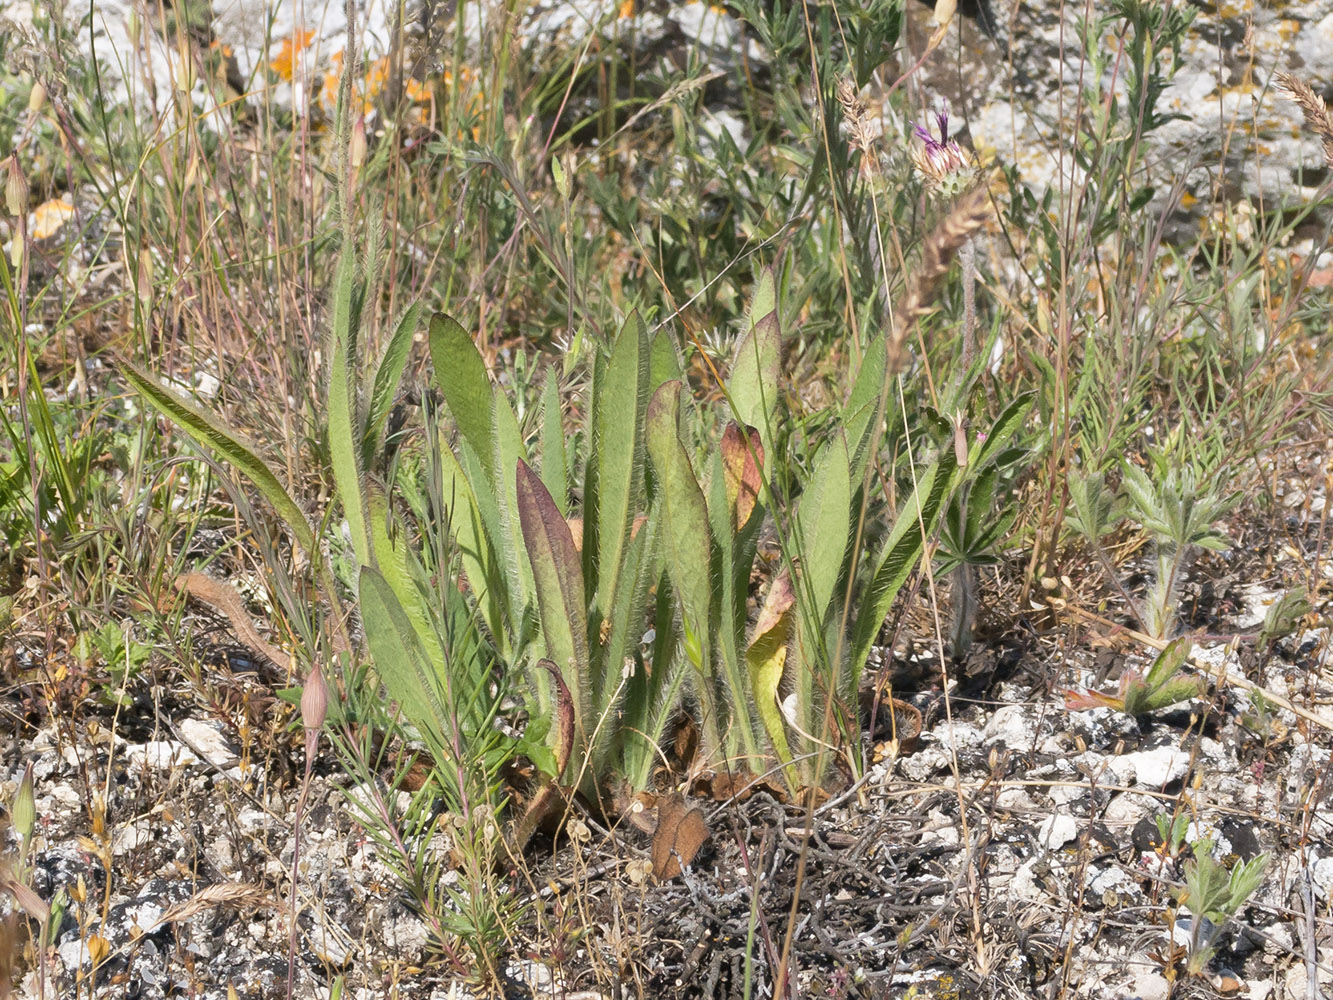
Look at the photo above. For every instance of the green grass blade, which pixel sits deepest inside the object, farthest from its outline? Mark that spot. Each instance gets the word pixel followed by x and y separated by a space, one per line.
pixel 211 433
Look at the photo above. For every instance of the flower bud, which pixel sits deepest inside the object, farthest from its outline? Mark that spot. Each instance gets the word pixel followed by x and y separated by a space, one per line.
pixel 314 700
pixel 16 187
pixel 144 280
pixel 356 146
pixel 24 810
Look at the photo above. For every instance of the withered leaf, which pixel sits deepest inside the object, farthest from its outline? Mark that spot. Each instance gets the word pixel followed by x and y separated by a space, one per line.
pixel 681 831
pixel 739 785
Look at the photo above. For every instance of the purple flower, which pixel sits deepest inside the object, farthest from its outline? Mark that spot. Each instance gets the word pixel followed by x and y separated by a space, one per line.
pixel 938 158
pixel 941 123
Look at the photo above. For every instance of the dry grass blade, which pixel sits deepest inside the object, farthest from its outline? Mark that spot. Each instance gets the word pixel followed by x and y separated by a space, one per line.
pixel 968 214
pixel 238 895
pixel 1317 117
pixel 31 903
pixel 223 597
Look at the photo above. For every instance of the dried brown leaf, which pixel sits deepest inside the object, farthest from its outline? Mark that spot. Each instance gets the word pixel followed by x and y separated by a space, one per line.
pixel 681 832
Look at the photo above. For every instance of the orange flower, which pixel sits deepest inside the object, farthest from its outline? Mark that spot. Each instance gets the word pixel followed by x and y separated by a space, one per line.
pixel 284 64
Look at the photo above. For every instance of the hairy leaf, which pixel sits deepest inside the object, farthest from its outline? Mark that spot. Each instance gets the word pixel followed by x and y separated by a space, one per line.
pixel 388 376
pixel 460 373
pixel 621 404
pixel 558 577
pixel 212 433
pixel 765 659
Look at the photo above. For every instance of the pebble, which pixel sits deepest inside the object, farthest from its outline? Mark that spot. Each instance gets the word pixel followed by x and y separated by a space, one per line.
pixel 1158 768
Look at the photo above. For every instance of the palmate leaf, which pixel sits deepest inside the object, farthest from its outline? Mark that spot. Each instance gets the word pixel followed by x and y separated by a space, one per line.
pixel 213 434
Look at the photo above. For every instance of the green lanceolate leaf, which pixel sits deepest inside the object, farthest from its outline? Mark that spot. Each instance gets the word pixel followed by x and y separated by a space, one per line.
pixel 509 451
pixel 822 525
pixel 863 407
pixel 461 375
pixel 732 561
pixel 621 405
pixel 624 627
pixel 484 575
pixel 558 575
pixel 686 516
pixel 210 432
pixel 555 469
pixel 1141 699
pixel 742 456
pixel 1002 431
pixel 664 360
pixel 753 386
pixel 392 560
pixel 388 375
pixel 344 427
pixel 1168 662
pixel 400 660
